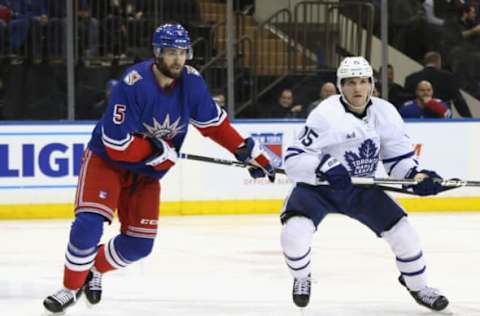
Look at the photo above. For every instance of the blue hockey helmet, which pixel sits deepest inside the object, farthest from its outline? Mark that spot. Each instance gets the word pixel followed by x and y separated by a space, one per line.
pixel 171 36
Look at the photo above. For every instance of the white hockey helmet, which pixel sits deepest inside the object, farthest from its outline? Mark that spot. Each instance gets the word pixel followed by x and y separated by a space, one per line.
pixel 352 67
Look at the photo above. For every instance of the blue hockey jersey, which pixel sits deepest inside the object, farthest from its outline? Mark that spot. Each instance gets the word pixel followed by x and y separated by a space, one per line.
pixel 139 105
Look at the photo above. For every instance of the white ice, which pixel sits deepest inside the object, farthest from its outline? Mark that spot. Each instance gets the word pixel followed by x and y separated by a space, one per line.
pixel 232 265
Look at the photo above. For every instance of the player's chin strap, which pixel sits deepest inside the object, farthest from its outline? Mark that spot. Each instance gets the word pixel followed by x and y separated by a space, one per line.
pixel 362 182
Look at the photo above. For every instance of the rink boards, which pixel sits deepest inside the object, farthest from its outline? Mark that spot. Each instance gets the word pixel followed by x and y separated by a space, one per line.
pixel 39 164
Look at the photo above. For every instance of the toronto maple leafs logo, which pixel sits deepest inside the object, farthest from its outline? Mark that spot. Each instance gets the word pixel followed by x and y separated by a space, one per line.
pixel 164 130
pixel 365 163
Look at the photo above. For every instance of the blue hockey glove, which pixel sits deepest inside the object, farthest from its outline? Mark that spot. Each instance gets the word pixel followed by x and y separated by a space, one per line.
pixel 251 152
pixel 335 173
pixel 429 182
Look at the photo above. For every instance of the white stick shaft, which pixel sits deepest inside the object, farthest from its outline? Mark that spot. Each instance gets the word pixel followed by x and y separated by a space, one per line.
pixel 445 182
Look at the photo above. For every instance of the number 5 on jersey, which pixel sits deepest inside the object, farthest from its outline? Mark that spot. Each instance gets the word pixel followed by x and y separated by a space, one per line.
pixel 119 113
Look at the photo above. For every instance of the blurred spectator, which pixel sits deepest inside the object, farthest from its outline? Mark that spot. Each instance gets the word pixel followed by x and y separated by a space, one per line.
pixel 412 29
pixel 397 95
pixel 124 27
pixel 5 13
pixel 56 30
pixel 446 9
pixel 284 108
pixel 113 30
pixel 465 26
pixel 327 89
pixel 137 26
pixel 100 107
pixel 408 27
pixel 29 20
pixel 5 17
pixel 88 30
pixel 462 44
pixel 424 105
pixel 429 8
pixel 443 82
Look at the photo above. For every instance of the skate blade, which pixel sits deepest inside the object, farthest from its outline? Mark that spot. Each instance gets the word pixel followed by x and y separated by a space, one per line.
pixel 49 313
pixel 89 305
pixel 302 311
pixel 446 311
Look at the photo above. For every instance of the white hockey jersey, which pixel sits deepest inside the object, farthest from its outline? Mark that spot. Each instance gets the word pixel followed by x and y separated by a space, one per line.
pixel 357 142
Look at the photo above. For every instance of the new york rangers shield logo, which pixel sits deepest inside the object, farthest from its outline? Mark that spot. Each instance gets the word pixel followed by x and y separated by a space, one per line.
pixel 272 144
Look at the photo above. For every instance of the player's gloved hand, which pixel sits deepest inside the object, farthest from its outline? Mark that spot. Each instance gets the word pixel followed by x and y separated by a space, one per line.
pixel 335 173
pixel 251 152
pixel 429 182
pixel 164 157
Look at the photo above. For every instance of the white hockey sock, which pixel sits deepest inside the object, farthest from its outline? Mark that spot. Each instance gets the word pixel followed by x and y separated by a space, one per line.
pixel 296 239
pixel 79 259
pixel 405 244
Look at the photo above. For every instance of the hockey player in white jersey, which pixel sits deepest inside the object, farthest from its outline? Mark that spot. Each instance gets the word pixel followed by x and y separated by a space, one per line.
pixel 346 135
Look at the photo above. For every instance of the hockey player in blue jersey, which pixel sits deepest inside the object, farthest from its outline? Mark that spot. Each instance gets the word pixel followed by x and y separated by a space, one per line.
pixel 346 135
pixel 135 143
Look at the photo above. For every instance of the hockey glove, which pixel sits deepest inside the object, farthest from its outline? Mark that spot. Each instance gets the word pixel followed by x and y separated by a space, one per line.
pixel 429 182
pixel 165 156
pixel 335 173
pixel 250 152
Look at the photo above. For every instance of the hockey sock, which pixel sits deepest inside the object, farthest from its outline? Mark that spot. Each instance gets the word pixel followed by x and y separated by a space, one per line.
pixel 85 234
pixel 296 239
pixel 405 244
pixel 121 251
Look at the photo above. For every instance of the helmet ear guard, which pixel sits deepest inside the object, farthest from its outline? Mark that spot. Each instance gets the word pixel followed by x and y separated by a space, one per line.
pixel 171 36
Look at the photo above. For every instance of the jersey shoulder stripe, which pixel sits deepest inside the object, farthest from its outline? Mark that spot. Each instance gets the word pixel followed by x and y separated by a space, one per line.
pixel 217 120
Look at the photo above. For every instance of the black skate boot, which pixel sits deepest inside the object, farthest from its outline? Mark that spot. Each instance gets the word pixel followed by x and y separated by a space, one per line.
pixel 428 297
pixel 93 287
pixel 301 291
pixel 57 303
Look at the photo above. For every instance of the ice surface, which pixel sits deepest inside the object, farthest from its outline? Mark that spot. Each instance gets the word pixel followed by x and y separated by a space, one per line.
pixel 232 265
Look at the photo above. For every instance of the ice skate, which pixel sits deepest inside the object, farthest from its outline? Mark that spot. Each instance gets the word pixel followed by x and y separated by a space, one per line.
pixel 428 297
pixel 57 303
pixel 93 287
pixel 301 291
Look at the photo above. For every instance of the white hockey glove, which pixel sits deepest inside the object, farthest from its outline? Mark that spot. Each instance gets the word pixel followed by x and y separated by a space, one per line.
pixel 165 156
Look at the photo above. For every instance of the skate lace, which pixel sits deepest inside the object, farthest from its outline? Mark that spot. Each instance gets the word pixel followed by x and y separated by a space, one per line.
pixel 96 282
pixel 301 286
pixel 429 295
pixel 64 296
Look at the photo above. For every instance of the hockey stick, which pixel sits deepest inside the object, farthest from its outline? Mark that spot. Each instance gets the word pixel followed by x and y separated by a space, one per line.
pixel 365 182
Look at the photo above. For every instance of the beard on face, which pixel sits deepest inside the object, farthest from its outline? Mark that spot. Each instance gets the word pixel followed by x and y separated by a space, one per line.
pixel 164 69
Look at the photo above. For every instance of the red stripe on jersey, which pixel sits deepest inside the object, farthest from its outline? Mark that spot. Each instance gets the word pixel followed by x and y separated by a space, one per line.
pixel 139 149
pixel 224 135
